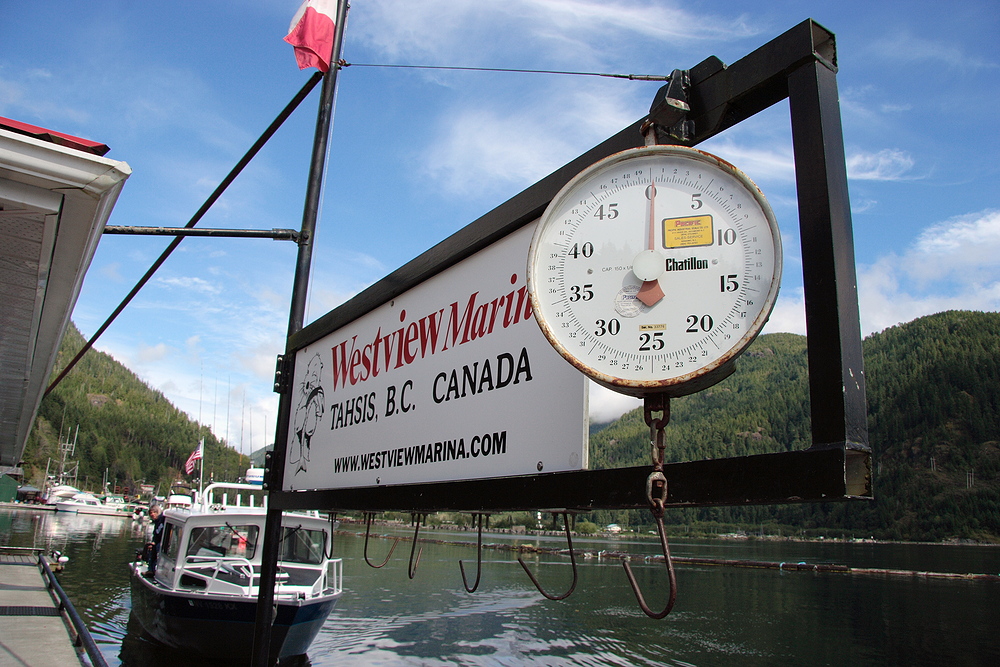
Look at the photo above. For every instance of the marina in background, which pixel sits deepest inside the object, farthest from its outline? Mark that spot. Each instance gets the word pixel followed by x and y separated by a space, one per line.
pixel 726 616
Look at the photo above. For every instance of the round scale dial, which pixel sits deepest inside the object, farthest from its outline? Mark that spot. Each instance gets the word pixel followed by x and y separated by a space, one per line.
pixel 654 269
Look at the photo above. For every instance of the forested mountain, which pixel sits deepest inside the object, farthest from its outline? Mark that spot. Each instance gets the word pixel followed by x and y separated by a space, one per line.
pixel 127 430
pixel 934 417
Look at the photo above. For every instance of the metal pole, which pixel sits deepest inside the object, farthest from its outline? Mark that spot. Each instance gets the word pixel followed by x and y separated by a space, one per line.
pixel 836 366
pixel 244 161
pixel 273 481
pixel 276 234
pixel 201 471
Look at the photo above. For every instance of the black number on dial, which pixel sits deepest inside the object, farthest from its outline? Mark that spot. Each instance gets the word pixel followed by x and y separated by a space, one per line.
pixel 727 237
pixel 653 341
pixel 577 293
pixel 612 326
pixel 611 213
pixel 698 324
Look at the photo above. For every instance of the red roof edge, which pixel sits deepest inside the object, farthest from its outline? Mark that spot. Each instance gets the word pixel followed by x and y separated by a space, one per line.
pixel 58 138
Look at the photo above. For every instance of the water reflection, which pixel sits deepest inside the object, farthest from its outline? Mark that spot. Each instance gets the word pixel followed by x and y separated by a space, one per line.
pixel 724 616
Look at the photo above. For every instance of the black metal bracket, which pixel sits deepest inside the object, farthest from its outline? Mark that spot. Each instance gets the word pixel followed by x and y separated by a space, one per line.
pixel 800 66
pixel 268 469
pixel 811 475
pixel 669 110
pixel 282 374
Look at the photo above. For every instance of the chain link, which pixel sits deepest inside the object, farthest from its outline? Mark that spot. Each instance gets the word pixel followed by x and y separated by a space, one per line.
pixel 656 411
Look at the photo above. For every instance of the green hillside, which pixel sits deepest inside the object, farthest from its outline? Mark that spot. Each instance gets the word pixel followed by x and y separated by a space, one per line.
pixel 934 417
pixel 127 430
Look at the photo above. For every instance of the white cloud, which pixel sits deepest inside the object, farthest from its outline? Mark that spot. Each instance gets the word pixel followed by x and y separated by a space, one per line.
pixel 478 151
pixel 789 313
pixel 472 161
pixel 607 405
pixel 112 271
pixel 28 97
pixel 951 265
pixel 859 205
pixel 451 32
pixel 962 243
pixel 904 46
pixel 895 108
pixel 189 283
pixel 148 354
pixel 888 164
pixel 760 163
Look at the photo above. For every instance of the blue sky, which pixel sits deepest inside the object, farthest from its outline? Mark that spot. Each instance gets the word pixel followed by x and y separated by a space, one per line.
pixel 180 90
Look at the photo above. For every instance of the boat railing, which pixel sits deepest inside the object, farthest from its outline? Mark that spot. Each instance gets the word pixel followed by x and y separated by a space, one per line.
pixel 228 567
pixel 334 578
pixel 216 573
pixel 209 498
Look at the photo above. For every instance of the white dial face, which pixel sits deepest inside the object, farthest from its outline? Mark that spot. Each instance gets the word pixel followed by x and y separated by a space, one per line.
pixel 655 268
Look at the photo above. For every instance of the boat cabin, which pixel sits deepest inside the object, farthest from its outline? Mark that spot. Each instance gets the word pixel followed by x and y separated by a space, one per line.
pixel 214 547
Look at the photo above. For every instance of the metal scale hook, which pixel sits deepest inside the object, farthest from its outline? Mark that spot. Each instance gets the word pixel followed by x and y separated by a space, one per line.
pixel 412 571
pixel 368 527
pixel 479 556
pixel 656 494
pixel 572 560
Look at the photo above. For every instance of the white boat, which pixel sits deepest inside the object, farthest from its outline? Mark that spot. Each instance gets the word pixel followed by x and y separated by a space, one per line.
pixel 202 597
pixel 60 492
pixel 180 497
pixel 87 503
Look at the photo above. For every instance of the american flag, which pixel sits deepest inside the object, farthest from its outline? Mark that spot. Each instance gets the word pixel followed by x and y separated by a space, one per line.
pixel 195 455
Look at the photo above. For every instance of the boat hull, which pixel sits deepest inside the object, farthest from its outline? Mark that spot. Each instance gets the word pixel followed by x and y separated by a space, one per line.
pixel 221 627
pixel 91 509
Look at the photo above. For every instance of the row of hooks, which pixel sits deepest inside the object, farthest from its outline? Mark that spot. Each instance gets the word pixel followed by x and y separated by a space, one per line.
pixel 484 518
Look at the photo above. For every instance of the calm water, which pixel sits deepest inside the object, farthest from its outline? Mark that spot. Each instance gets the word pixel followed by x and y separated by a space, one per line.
pixel 723 616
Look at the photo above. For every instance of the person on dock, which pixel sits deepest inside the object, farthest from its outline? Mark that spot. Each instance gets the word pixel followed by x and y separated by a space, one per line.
pixel 153 547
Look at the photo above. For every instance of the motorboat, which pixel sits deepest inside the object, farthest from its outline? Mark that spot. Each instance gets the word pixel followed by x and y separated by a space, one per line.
pixel 180 496
pixel 87 503
pixel 202 596
pixel 60 492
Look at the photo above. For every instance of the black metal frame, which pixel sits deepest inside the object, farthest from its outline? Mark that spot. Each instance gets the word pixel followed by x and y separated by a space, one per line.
pixel 799 65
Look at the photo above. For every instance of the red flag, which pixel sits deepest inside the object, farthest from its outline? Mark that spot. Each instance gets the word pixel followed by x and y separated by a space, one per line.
pixel 311 33
pixel 195 455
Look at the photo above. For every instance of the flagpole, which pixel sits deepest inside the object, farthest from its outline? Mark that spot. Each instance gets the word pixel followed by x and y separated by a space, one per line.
pixel 274 473
pixel 201 473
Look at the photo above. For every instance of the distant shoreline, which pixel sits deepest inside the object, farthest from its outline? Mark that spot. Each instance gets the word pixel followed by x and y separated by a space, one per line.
pixel 737 537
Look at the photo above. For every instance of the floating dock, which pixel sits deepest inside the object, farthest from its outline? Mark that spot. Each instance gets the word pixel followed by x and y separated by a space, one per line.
pixel 37 623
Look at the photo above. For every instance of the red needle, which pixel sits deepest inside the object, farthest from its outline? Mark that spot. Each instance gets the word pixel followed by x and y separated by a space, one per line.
pixel 650 293
pixel 651 243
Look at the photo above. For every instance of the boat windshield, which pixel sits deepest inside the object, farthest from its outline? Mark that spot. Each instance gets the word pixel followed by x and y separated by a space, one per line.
pixel 226 540
pixel 300 545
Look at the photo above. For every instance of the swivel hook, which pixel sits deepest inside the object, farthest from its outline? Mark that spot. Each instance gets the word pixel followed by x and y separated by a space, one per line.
pixel 479 558
pixel 572 560
pixel 670 576
pixel 368 527
pixel 656 494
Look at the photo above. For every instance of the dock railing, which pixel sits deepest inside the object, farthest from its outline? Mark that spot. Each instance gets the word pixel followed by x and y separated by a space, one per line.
pixel 83 636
